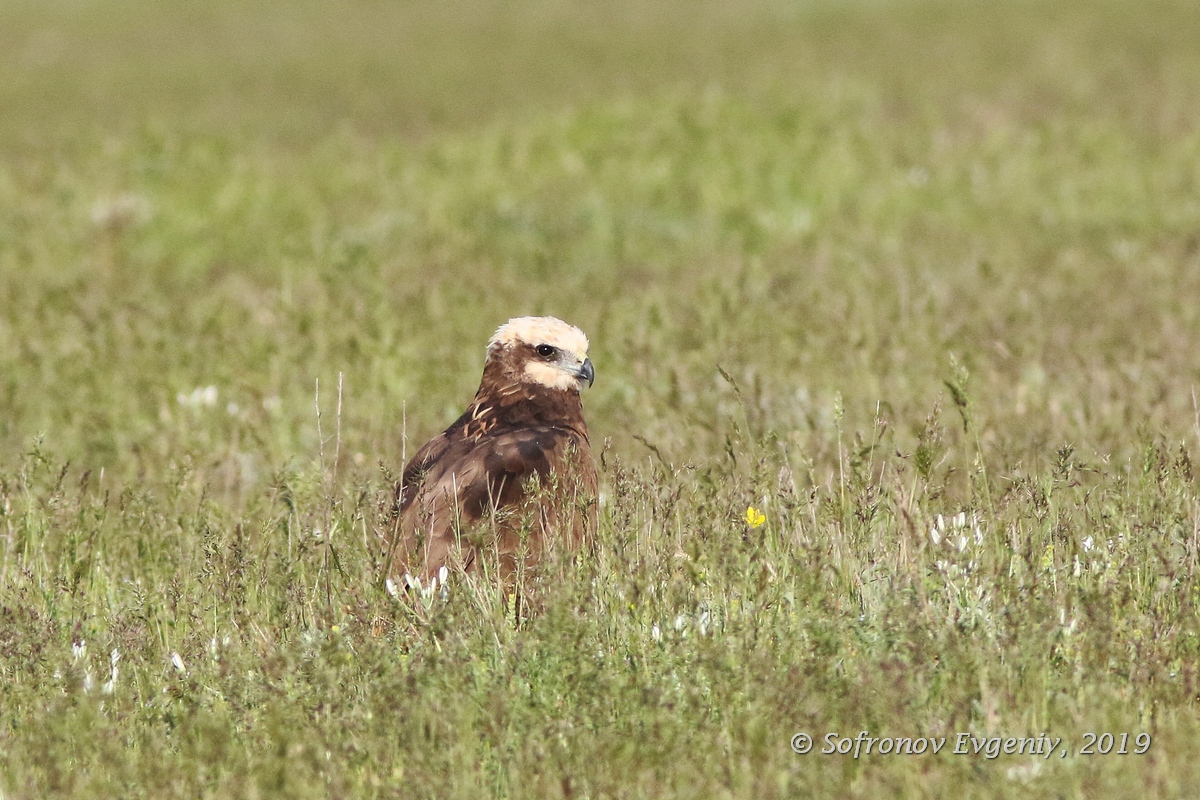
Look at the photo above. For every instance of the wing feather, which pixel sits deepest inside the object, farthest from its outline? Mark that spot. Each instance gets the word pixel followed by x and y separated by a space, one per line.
pixel 457 479
pixel 414 472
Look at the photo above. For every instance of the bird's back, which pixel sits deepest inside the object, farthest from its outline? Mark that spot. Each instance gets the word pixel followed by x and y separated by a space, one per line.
pixel 510 481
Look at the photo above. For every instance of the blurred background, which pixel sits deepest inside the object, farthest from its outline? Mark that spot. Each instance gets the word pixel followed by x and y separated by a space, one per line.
pixel 843 205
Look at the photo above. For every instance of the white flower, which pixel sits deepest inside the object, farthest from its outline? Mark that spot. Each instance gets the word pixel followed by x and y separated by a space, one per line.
pixel 111 684
pixel 959 531
pixel 1088 544
pixel 656 633
pixel 390 585
pixel 201 397
pixel 177 662
pixel 938 532
pixel 1024 772
pixel 78 650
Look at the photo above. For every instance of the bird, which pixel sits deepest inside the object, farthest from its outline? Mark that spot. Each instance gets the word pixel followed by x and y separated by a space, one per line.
pixel 513 478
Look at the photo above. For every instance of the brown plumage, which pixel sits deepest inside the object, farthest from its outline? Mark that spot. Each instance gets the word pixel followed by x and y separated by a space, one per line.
pixel 513 477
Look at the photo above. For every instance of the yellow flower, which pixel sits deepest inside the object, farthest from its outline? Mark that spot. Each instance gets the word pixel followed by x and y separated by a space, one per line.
pixel 754 517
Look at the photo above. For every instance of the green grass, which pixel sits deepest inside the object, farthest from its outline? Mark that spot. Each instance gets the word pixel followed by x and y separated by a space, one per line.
pixel 875 268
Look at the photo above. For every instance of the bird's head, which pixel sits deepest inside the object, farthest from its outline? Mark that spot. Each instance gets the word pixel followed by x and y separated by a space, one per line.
pixel 541 350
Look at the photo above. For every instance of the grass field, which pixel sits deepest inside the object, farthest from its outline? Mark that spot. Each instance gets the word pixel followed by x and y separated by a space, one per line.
pixel 919 280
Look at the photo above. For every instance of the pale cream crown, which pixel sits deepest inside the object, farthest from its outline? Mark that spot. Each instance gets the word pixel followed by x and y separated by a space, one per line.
pixel 535 331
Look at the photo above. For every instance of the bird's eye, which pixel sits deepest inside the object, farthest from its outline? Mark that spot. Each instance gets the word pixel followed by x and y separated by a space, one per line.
pixel 545 350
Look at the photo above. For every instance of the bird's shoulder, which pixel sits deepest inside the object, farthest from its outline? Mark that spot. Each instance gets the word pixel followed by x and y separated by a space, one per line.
pixel 514 433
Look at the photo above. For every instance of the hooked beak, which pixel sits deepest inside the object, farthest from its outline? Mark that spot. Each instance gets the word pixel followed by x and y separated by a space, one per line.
pixel 587 372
